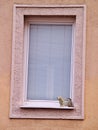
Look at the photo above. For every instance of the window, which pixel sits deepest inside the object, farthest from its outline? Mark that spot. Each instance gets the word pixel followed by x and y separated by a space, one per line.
pixel 48 61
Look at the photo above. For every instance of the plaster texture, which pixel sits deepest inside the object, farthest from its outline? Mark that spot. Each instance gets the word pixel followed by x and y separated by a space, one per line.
pixel 91 79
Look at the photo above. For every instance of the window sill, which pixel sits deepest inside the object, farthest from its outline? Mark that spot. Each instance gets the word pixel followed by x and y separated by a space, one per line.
pixel 52 105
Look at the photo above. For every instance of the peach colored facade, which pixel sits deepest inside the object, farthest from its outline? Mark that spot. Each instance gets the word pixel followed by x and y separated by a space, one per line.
pixel 90 121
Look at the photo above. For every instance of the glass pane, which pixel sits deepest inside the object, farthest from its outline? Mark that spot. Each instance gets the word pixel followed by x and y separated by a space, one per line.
pixel 49 63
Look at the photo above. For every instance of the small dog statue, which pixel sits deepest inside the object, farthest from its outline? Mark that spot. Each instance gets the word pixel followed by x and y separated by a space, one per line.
pixel 65 102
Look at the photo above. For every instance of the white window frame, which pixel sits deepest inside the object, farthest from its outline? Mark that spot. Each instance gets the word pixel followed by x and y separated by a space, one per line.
pixel 42 21
pixel 19 106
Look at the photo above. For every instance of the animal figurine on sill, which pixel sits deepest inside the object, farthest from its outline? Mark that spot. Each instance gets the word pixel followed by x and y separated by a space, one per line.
pixel 65 102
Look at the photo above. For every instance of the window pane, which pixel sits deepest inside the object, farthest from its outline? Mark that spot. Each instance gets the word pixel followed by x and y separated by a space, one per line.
pixel 49 63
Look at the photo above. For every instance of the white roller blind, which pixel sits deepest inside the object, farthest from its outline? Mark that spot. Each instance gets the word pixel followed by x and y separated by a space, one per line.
pixel 49 62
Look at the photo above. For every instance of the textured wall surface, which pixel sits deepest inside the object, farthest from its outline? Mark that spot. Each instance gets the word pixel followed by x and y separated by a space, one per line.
pixel 91 80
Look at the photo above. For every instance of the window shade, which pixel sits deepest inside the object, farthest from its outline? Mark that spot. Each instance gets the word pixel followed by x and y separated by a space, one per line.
pixel 49 61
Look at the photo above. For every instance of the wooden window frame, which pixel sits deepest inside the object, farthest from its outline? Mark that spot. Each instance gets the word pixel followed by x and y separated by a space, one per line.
pixel 19 105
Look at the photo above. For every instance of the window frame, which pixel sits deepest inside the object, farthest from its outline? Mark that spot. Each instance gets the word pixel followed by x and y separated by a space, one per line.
pixel 17 109
pixel 43 21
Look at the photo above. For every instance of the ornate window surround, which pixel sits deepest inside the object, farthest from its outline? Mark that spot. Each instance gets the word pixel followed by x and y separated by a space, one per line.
pixel 18 108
